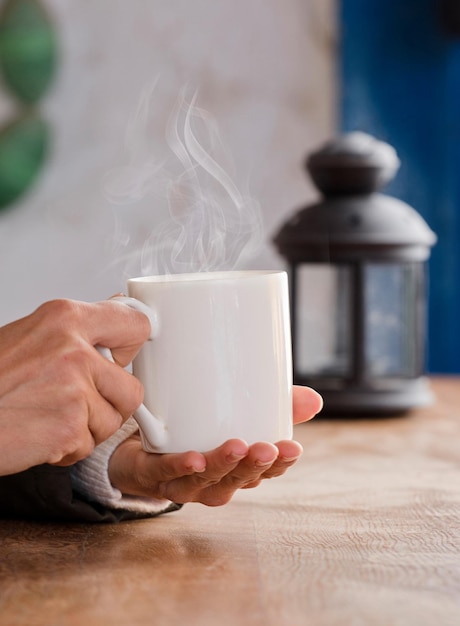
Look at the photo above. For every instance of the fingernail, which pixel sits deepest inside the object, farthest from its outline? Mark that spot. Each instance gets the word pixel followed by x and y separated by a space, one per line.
pixel 196 468
pixel 233 456
pixel 322 403
pixel 260 463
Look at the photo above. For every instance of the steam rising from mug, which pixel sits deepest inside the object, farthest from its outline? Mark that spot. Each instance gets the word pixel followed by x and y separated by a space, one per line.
pixel 211 224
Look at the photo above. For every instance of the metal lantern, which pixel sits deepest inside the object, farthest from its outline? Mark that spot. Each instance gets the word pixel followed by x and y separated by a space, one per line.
pixel 357 275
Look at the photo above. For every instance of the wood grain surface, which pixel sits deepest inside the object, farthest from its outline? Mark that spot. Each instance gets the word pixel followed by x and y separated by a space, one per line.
pixel 363 531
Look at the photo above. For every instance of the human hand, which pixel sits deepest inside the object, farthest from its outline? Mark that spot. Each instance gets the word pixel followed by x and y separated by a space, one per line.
pixel 211 478
pixel 58 396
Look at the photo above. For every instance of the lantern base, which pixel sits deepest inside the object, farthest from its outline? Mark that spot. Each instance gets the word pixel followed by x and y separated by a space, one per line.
pixel 366 401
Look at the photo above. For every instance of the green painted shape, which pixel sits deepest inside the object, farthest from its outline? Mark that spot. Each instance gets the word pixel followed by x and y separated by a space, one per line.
pixel 28 49
pixel 23 149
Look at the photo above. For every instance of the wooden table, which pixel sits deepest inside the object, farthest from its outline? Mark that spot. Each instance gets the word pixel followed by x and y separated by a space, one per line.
pixel 365 530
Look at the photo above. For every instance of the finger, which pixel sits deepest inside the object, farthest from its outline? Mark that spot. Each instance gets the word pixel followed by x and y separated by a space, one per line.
pixel 289 454
pixel 248 471
pixel 221 461
pixel 118 387
pixel 289 450
pixel 218 464
pixel 118 327
pixel 101 422
pixel 103 418
pixel 169 467
pixel 306 403
pixel 259 459
pixel 136 472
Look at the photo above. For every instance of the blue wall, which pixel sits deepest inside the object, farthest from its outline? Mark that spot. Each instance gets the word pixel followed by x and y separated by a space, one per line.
pixel 400 81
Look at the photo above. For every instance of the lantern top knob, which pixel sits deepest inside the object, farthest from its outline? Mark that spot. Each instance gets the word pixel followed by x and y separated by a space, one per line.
pixel 353 221
pixel 353 163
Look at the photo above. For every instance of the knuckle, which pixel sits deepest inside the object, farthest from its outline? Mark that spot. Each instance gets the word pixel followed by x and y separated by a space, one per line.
pixel 61 321
pixel 134 394
pixel 78 355
pixel 63 312
pixel 72 366
pixel 251 484
pixel 237 481
pixel 137 322
pixel 108 428
pixel 206 481
pixel 73 443
pixel 74 392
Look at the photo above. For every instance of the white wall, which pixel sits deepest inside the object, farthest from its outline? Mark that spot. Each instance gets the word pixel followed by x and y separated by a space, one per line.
pixel 263 68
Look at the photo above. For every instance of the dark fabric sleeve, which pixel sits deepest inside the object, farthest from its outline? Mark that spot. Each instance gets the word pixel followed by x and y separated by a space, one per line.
pixel 45 493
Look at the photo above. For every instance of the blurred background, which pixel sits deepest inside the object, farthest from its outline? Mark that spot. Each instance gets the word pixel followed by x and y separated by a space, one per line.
pixel 279 78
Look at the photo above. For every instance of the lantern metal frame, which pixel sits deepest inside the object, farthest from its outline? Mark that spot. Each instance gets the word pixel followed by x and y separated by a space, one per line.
pixel 354 226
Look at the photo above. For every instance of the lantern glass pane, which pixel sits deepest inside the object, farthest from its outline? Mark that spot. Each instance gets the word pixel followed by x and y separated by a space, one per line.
pixel 392 304
pixel 323 320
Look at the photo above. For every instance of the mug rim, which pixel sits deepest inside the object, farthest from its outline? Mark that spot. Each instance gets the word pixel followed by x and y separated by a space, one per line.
pixel 203 276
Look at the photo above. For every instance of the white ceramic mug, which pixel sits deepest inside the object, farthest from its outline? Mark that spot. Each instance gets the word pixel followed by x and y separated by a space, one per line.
pixel 218 364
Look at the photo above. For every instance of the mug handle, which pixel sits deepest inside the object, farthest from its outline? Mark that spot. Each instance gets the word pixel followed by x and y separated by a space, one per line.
pixel 153 431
